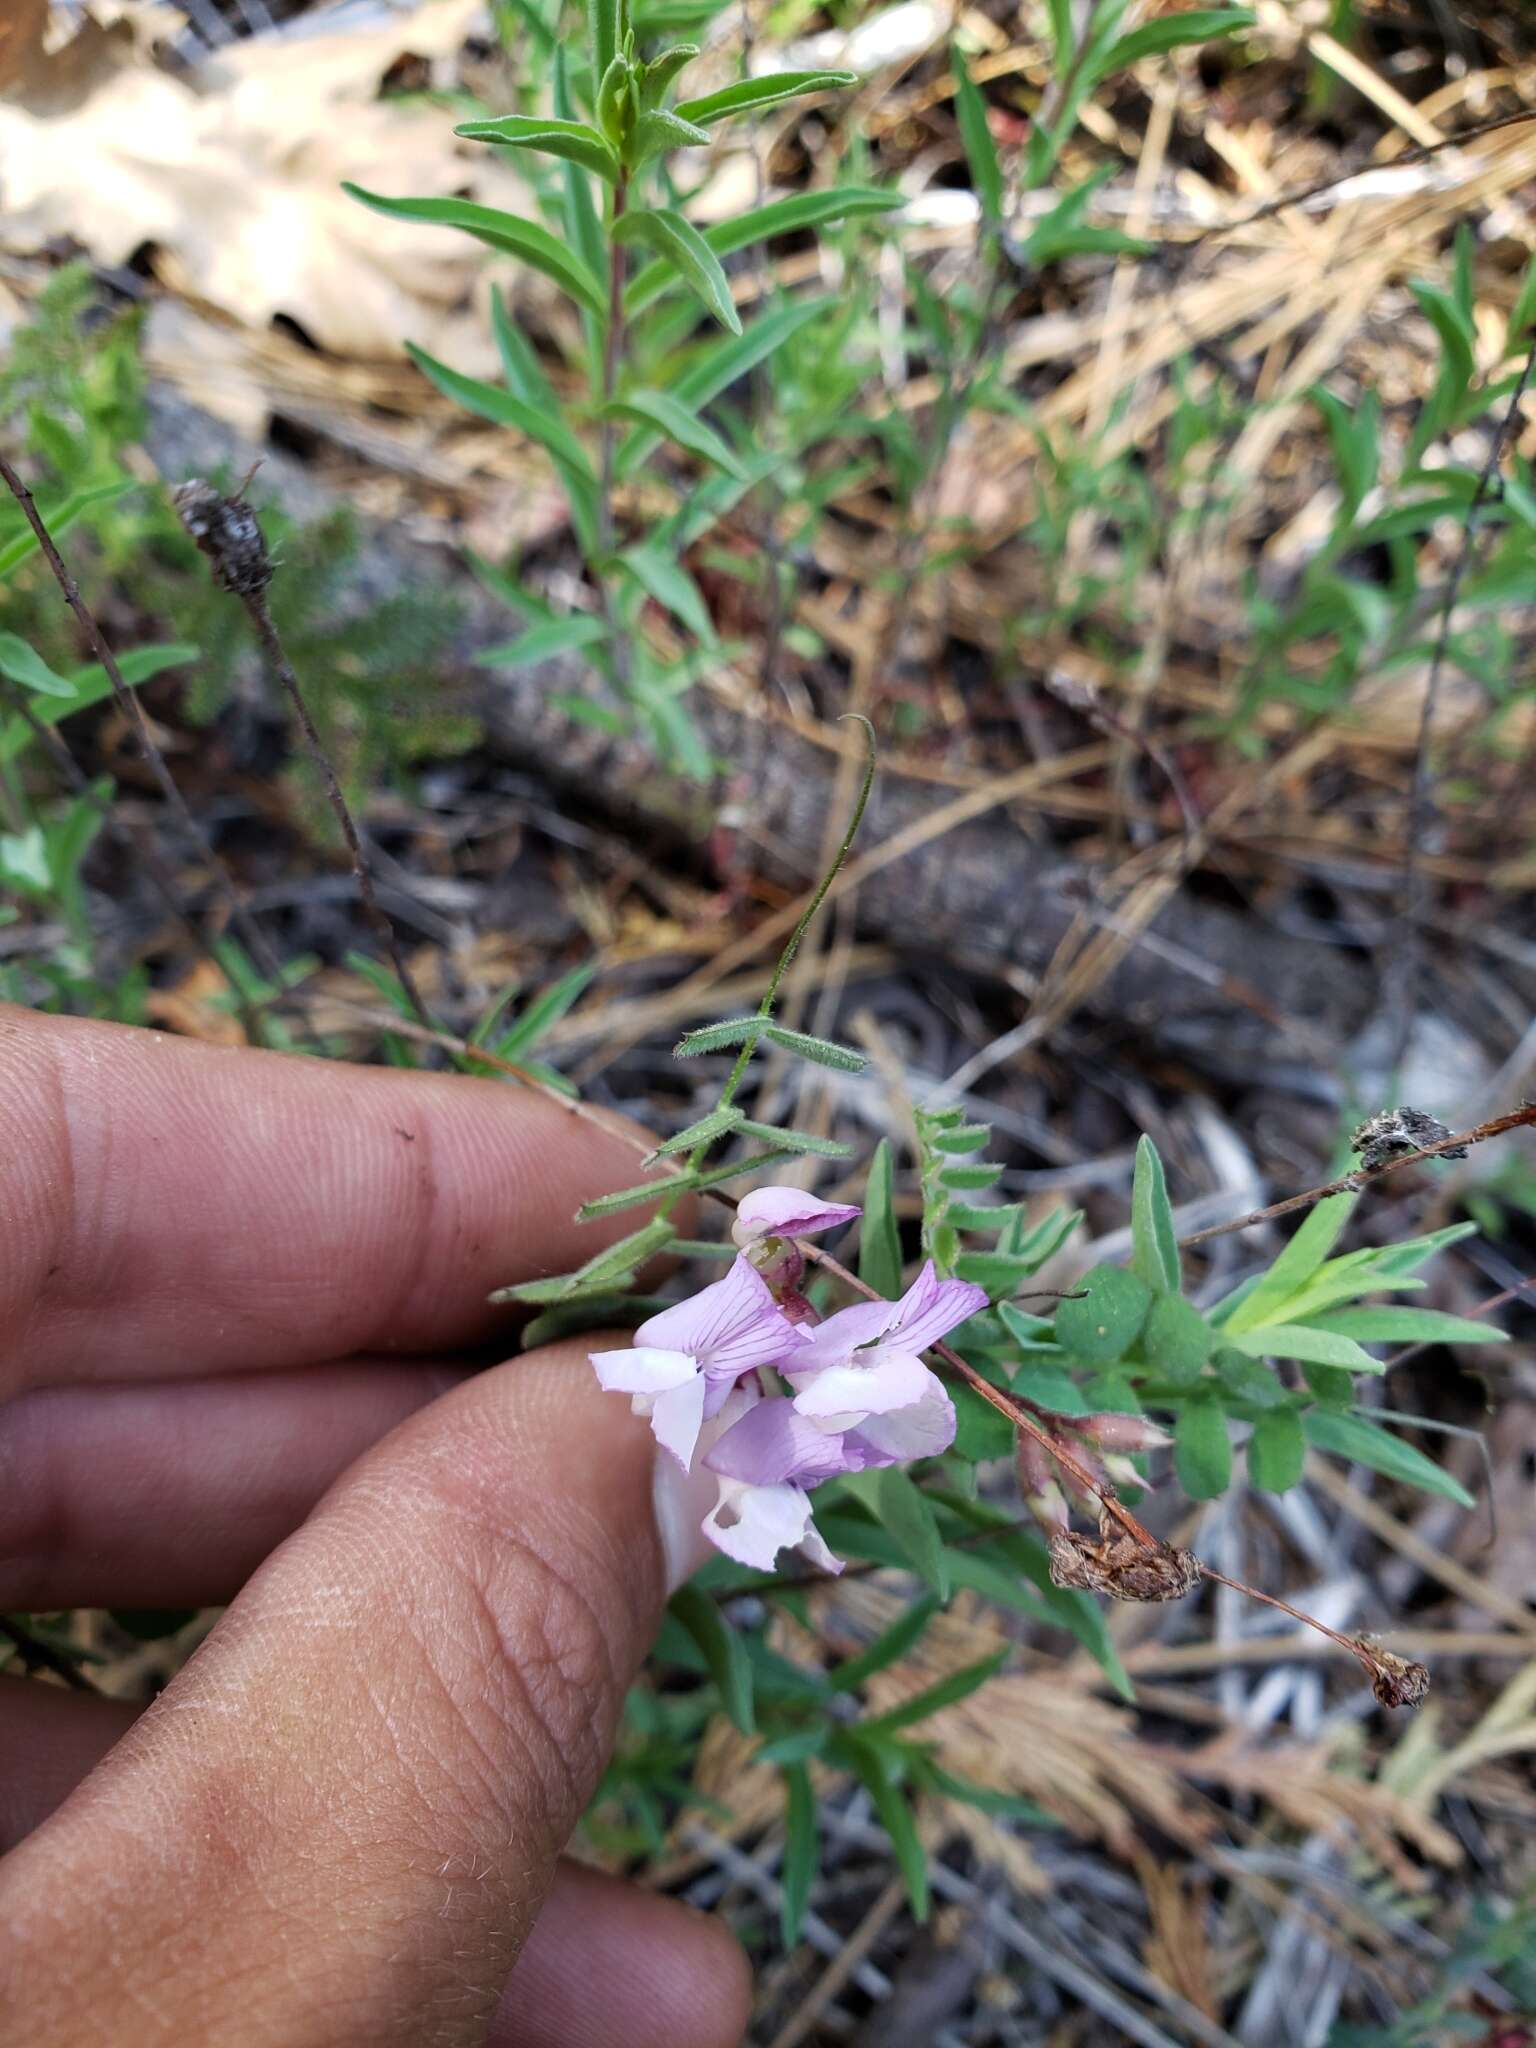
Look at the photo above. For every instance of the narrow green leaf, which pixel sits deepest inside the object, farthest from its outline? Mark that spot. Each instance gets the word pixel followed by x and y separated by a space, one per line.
pixel 1277 1450
pixel 722 1650
pixel 545 640
pixel 963 1138
pixel 796 1141
pixel 669 583
pixel 573 140
pixel 895 1817
pixel 908 1516
pixel 1170 32
pixel 704 1132
pixel 879 1238
pixel 1006 1805
pixel 59 519
pixel 801 1851
pixel 1305 1341
pixel 661 71
pixel 602 33
pixel 676 241
pixel 1406 1326
pixel 758 224
pixel 963 1179
pixel 1202 1450
pixel 600 1271
pixel 748 95
pixel 889 1647
pixel 494 403
pixel 506 232
pixel 798 1746
pixel 546 1010
pixel 660 130
pixel 946 1692
pixel 980 149
pixel 824 1052
pixel 718 1037
pixel 1102 1326
pixel 24 665
pixel 519 359
pixel 1001 1274
pixel 1367 1443
pixel 1155 1256
pixel 1297 1264
pixel 679 422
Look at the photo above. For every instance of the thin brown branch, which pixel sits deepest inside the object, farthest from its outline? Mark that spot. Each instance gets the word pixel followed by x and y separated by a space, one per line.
pixel 229 534
pixel 133 712
pixel 1421 798
pixel 1517 1119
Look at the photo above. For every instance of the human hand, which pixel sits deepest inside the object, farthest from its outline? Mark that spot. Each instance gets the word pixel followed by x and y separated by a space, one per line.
pixel 231 1292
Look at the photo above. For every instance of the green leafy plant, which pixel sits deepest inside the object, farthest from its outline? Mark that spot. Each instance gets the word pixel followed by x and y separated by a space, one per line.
pixel 642 278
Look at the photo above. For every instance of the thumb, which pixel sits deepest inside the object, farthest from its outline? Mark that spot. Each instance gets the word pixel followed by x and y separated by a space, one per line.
pixel 338 1823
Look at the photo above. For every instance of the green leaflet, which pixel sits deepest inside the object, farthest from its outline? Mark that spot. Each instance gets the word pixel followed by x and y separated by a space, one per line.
pixel 778 217
pixel 749 94
pixel 664 409
pixel 666 234
pixel 573 140
pixel 506 232
pixel 1155 1251
pixel 1367 1443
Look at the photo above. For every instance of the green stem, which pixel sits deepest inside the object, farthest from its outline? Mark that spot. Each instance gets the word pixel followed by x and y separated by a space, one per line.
pixel 791 946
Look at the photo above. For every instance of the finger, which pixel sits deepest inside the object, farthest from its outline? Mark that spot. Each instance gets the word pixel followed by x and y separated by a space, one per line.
pixel 339 1821
pixel 170 1493
pixel 610 1966
pixel 49 1739
pixel 606 1965
pixel 179 1208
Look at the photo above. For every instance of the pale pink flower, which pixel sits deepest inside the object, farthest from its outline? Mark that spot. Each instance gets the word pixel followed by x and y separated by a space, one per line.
pixel 860 1372
pixel 786 1212
pixel 686 1360
pixel 764 1459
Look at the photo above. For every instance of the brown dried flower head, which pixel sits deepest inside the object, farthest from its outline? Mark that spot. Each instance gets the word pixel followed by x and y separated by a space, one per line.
pixel 1394 1680
pixel 229 534
pixel 1393 1132
pixel 1118 1565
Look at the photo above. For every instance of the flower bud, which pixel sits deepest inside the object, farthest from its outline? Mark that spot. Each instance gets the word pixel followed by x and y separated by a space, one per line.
pixel 1113 1432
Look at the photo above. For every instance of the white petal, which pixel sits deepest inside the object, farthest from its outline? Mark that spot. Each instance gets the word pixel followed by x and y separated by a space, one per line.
pixel 677 1417
pixel 646 1370
pixel 891 1379
pixel 814 1549
pixel 754 1523
pixel 921 1431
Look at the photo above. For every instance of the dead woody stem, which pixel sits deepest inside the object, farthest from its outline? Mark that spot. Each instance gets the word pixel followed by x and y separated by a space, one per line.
pixel 229 534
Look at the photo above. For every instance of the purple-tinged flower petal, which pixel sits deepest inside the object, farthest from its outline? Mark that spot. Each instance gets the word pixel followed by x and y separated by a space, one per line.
pixel 932 1307
pixel 754 1523
pixel 891 1379
pixel 728 1327
pixel 772 1445
pixel 921 1431
pixel 645 1370
pixel 786 1212
pixel 677 1417
pixel 834 1341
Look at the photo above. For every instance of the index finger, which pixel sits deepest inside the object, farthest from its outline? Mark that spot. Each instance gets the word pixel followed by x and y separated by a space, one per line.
pixel 169 1207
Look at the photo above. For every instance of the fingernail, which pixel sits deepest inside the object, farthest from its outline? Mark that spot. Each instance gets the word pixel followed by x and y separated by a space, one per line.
pixel 680 1501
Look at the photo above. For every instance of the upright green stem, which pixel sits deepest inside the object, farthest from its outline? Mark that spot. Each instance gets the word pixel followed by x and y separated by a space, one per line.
pixel 613 355
pixel 792 944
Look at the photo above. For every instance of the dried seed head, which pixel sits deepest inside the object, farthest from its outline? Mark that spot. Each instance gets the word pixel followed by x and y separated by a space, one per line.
pixel 1123 1568
pixel 1392 1132
pixel 1394 1680
pixel 229 534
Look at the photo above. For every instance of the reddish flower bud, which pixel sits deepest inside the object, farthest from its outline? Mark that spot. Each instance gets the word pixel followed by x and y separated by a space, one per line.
pixel 1113 1432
